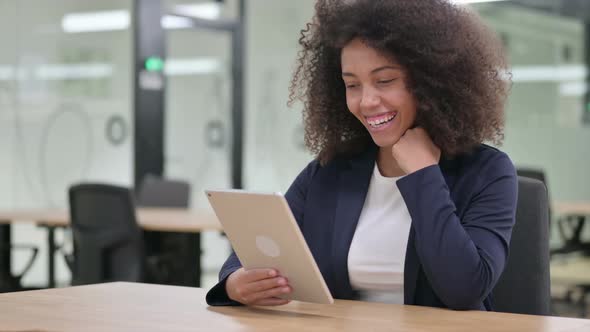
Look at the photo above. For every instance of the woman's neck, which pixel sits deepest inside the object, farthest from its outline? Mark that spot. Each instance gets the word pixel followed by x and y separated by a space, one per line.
pixel 388 166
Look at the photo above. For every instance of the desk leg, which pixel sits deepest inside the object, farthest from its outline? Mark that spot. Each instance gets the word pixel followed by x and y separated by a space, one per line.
pixel 5 255
pixel 189 270
pixel 180 254
pixel 51 256
pixel 198 267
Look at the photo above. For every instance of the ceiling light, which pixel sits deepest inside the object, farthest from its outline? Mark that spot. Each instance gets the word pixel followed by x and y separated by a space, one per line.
pixel 207 10
pixel 176 22
pixel 96 21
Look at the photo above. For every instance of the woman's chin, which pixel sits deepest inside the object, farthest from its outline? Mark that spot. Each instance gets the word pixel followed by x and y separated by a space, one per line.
pixel 384 142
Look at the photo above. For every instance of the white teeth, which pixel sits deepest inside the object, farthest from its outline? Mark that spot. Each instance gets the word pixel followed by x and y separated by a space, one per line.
pixel 379 122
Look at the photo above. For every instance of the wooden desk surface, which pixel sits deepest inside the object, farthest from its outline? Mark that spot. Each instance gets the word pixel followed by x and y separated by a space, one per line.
pixel 157 219
pixel 574 271
pixel 571 208
pixel 141 307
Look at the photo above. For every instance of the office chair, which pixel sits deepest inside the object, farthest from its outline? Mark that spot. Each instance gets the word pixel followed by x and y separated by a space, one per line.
pixel 537 174
pixel 171 249
pixel 158 192
pixel 524 286
pixel 570 231
pixel 154 192
pixel 108 244
pixel 569 227
pixel 532 173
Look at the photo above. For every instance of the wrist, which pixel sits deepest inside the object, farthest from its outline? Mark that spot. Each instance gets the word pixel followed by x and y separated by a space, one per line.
pixel 229 286
pixel 419 167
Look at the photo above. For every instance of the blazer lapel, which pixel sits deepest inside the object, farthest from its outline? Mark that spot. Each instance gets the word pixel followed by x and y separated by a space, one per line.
pixel 352 190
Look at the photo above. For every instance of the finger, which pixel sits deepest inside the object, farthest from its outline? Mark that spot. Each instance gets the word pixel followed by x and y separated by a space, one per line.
pixel 273 292
pixel 259 274
pixel 271 301
pixel 265 284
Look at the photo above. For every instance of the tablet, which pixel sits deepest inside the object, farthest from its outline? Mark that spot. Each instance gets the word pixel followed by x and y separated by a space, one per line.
pixel 264 234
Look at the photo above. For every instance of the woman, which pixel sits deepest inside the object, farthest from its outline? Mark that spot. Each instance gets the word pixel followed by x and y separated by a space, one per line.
pixel 404 203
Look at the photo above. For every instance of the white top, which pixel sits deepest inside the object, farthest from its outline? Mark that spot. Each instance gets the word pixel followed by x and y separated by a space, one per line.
pixel 378 249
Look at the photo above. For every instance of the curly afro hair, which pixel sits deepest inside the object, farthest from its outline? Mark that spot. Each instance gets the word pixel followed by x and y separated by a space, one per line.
pixel 456 68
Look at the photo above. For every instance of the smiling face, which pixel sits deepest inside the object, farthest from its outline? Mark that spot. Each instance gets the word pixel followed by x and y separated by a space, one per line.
pixel 376 93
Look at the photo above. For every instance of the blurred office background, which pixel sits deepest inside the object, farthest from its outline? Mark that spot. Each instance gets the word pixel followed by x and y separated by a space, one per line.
pixel 67 110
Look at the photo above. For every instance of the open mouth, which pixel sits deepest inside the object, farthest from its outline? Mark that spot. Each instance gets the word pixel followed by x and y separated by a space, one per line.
pixel 381 120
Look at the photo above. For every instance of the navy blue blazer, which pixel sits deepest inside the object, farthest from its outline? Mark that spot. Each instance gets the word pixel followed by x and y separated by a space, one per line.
pixel 462 211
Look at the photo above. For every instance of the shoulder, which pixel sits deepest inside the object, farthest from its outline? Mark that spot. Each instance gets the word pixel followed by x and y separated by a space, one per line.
pixel 484 160
pixel 493 162
pixel 484 168
pixel 341 163
pixel 315 170
pixel 328 173
pixel 485 175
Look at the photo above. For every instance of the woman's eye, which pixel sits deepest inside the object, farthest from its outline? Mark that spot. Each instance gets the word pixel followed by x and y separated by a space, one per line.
pixel 386 81
pixel 351 86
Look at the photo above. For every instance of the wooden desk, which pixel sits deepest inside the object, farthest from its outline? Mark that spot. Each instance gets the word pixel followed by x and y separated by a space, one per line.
pixel 571 208
pixel 572 272
pixel 153 219
pixel 148 308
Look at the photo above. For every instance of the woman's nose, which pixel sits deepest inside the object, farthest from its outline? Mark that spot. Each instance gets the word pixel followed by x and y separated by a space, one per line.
pixel 370 99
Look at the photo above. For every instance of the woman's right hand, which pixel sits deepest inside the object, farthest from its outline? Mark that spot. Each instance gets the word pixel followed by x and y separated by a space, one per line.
pixel 257 287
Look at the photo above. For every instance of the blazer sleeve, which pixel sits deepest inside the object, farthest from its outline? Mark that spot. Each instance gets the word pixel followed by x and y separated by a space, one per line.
pixel 295 196
pixel 463 258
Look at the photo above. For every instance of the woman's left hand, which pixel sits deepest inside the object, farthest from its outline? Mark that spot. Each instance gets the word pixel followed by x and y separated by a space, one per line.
pixel 415 150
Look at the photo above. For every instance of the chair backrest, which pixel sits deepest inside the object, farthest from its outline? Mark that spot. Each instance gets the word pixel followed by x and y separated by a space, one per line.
pixel 107 239
pixel 158 192
pixel 524 287
pixel 533 173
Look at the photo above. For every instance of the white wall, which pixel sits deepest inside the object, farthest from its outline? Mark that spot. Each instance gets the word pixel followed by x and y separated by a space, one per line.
pixel 544 121
pixel 272 146
pixel 274 152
